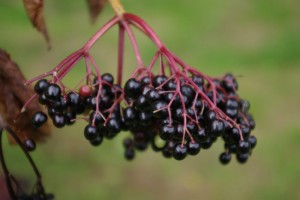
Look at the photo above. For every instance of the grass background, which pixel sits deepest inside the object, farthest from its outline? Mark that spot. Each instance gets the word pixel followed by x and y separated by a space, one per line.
pixel 257 40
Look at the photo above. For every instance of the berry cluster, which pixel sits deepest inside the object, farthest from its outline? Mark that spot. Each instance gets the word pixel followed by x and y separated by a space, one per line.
pixel 177 112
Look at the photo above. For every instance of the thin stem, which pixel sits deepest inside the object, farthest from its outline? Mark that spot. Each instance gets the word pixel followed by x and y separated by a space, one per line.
pixel 117 6
pixel 120 54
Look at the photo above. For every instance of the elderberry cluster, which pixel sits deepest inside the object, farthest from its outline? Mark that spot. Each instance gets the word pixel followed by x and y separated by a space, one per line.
pixel 172 116
pixel 95 103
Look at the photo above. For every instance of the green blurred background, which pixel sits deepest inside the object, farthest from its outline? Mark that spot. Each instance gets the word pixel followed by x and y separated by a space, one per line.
pixel 259 41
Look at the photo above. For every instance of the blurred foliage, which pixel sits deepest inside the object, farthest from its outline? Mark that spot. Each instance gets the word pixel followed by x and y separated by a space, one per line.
pixel 256 40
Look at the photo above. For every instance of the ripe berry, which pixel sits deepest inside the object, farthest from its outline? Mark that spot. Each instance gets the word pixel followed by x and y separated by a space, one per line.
pixel 141 103
pixel 187 91
pixel 167 132
pixel 252 140
pixel 114 125
pixel 179 151
pixel 132 88
pixel 130 115
pixel 242 158
pixel 145 80
pixel 29 144
pixel 73 100
pixel 38 119
pixel 225 158
pixel 90 132
pixel 243 147
pixel 201 135
pixel 96 118
pixel 59 120
pixel 193 148
pixel 217 128
pixel 41 86
pixel 108 78
pixel 129 153
pixel 53 92
pixel 128 143
pixel 96 141
pixel 159 109
pixel 158 80
pixel 70 117
pixel 152 95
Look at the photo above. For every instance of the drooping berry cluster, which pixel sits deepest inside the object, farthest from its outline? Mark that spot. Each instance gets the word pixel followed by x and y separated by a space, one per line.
pixel 177 112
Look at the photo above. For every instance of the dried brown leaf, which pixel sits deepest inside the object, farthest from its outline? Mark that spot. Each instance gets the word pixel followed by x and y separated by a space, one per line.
pixel 95 8
pixel 35 11
pixel 13 95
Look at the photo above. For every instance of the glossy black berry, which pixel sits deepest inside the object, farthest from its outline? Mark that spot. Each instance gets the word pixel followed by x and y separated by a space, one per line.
pixel 167 132
pixel 59 120
pixel 70 117
pixel 179 151
pixel 193 148
pixel 129 153
pixel 145 117
pixel 114 125
pixel 145 80
pixel 130 115
pixel 243 147
pixel 108 78
pixel 225 158
pixel 217 128
pixel 128 143
pixel 201 135
pixel 90 132
pixel 73 100
pixel 231 103
pixel 158 80
pixel 198 80
pixel 41 86
pixel 29 144
pixel 96 141
pixel 53 92
pixel 252 140
pixel 152 96
pixel 38 119
pixel 159 109
pixel 187 91
pixel 132 88
pixel 96 118
pixel 242 158
pixel 141 103
pixel 60 104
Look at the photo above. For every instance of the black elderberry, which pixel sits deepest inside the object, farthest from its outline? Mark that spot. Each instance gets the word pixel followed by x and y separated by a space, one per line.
pixel 90 102
pixel 252 140
pixel 232 113
pixel 53 92
pixel 141 103
pixel 70 117
pixel 51 111
pixel 167 132
pixel 90 132
pixel 211 115
pixel 59 120
pixel 29 144
pixel 132 88
pixel 201 135
pixel 152 95
pixel 231 103
pixel 234 134
pixel 246 131
pixel 170 86
pixel 96 118
pixel 158 80
pixel 175 100
pixel 60 104
pixel 180 151
pixel 145 80
pixel 179 131
pixel 198 80
pixel 242 158
pixel 193 147
pixel 229 83
pixel 43 99
pixel 38 119
pixel 129 153
pixel 225 158
pixel 73 100
pixel 217 128
pixel 130 115
pixel 159 109
pixel 128 143
pixel 114 125
pixel 192 128
pixel 206 144
pixel 41 86
pixel 244 106
pixel 177 114
pixel 108 78
pixel 243 147
pixel 145 118
pixel 188 91
pixel 96 141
